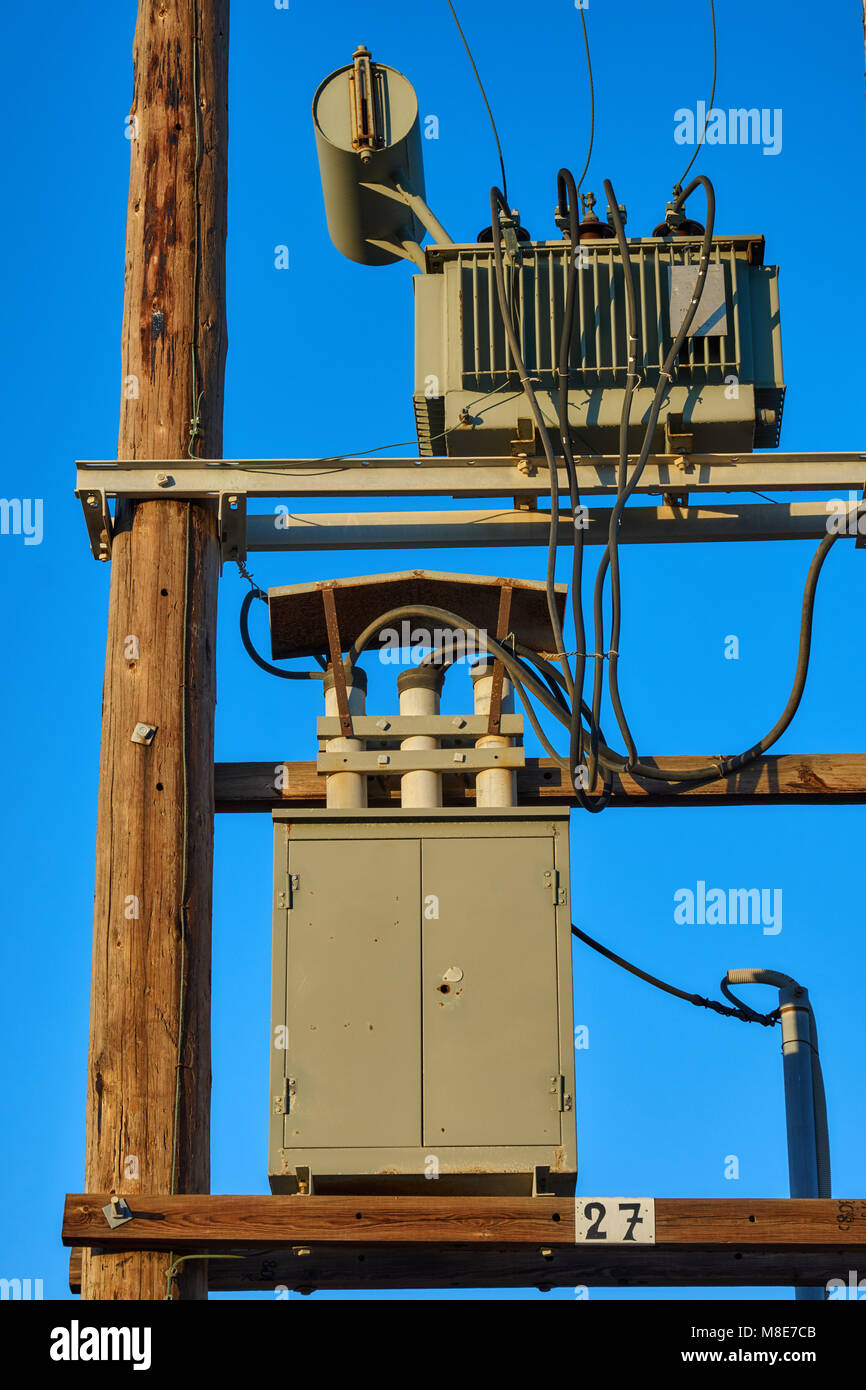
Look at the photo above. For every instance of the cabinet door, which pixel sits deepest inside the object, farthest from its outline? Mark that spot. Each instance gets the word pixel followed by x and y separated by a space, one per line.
pixel 491 1036
pixel 353 995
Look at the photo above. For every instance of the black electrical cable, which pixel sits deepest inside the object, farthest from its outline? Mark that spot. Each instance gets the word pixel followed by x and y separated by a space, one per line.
pixel 547 687
pixel 483 95
pixel 554 687
pixel 740 1004
pixel 741 1012
pixel 517 670
pixel 591 105
pixel 496 649
pixel 626 486
pixel 497 204
pixel 567 203
pixel 633 351
pixel 249 599
pixel 712 97
pixel 611 760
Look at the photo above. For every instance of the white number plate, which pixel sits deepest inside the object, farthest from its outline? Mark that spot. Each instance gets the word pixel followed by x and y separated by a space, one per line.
pixel 615 1220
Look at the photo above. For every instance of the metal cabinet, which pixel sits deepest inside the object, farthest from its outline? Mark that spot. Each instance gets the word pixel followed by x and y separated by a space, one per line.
pixel 422 1015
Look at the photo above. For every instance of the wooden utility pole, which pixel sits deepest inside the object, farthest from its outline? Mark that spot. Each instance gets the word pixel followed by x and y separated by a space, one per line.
pixel 148 1092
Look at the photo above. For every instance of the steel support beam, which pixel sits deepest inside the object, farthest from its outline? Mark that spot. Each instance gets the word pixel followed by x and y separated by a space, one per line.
pixel 459 529
pixel 483 477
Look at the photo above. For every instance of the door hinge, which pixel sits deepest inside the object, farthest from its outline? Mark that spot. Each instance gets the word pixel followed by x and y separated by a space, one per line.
pixel 551 882
pixel 283 1101
pixel 285 895
pixel 561 1100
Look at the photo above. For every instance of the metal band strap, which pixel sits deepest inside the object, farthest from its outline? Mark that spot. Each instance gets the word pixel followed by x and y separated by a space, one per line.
pixel 335 652
pixel 502 622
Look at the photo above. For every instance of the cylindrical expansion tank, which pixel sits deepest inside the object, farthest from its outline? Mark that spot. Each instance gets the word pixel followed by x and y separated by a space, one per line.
pixel 367 131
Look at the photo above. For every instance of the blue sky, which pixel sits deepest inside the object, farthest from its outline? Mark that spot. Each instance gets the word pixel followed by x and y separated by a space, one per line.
pixel 664 1092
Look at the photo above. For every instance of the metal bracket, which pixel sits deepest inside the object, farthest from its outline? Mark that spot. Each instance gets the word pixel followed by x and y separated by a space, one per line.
pixel 678 440
pixel 117 1213
pixel 448 729
pixel 305 1181
pixel 513 250
pixel 395 764
pixel 97 518
pixel 502 624
pixel 232 519
pixel 525 446
pixel 540 1184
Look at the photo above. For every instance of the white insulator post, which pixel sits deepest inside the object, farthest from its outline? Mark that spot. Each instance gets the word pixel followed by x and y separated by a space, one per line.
pixel 420 688
pixel 346 791
pixel 496 786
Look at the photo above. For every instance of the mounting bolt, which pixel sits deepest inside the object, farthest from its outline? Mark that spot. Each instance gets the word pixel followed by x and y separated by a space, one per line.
pixel 144 733
pixel 163 480
pixel 92 500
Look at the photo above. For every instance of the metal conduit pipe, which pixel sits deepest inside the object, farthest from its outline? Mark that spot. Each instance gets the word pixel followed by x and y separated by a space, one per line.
pixel 805 1102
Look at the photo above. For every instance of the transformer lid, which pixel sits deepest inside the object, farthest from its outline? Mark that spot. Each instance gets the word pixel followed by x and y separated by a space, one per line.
pixel 297 611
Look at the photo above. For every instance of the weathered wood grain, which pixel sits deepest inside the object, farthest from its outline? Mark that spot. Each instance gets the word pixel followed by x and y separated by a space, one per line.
pixel 795 779
pixel 150 990
pixel 429 1242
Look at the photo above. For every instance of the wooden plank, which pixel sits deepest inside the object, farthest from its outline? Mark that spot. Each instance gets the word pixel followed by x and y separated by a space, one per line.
pixel 456 1267
pixel 794 779
pixel 469 1242
pixel 306 1268
pixel 245 1222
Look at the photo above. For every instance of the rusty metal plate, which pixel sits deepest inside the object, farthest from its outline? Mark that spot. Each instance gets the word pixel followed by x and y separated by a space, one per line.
pixel 297 611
